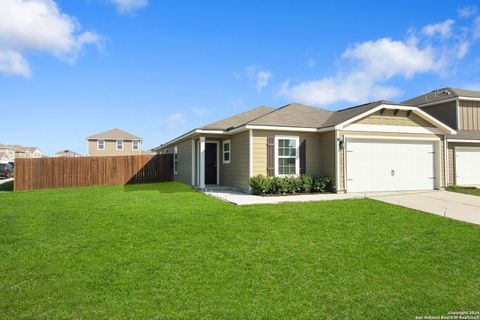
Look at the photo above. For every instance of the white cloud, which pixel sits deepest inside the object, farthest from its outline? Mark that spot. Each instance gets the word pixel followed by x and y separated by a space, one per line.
pixel 370 64
pixel 129 6
pixel 462 49
pixel 12 63
pixel 467 12
pixel 260 78
pixel 443 29
pixel 200 112
pixel 174 120
pixel 476 29
pixel 311 63
pixel 38 25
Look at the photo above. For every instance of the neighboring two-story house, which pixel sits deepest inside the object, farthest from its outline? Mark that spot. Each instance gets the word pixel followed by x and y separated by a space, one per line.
pixel 114 142
pixel 460 110
pixel 15 151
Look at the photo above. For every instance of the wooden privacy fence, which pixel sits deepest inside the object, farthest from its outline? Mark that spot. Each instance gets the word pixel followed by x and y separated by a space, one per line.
pixel 45 173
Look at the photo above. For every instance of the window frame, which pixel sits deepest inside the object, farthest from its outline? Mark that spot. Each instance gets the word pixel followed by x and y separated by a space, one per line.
pixel 116 144
pixel 103 144
pixel 138 145
pixel 224 152
pixel 175 160
pixel 297 155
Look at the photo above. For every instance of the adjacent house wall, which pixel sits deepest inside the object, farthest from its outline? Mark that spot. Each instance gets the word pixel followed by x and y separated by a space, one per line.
pixel 111 149
pixel 452 159
pixel 469 115
pixel 445 112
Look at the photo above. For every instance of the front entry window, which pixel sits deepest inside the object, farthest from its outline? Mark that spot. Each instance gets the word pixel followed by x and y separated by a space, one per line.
pixel 287 155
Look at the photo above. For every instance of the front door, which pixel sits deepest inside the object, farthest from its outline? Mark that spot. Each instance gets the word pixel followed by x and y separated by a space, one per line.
pixel 210 163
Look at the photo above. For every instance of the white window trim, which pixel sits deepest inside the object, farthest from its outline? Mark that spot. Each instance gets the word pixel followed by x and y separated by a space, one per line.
pixel 116 144
pixel 175 160
pixel 297 154
pixel 138 145
pixel 98 144
pixel 229 151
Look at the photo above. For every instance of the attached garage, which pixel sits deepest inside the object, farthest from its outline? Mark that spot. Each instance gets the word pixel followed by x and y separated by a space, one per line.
pixel 390 165
pixel 467 165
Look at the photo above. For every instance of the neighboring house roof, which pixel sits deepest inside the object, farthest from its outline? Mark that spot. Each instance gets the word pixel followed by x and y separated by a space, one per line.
pixel 239 119
pixel 442 94
pixel 114 134
pixel 18 148
pixel 68 153
pixel 465 135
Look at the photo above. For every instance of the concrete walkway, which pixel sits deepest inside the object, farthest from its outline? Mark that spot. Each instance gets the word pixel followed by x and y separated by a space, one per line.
pixel 449 204
pixel 452 205
pixel 240 198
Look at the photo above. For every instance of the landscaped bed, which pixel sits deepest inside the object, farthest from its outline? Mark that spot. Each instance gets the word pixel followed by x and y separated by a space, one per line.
pixel 163 251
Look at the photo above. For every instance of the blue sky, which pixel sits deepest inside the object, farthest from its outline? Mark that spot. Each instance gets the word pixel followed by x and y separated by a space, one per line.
pixel 69 69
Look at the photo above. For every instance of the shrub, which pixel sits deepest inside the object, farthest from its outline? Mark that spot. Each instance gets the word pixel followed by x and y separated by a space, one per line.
pixel 289 184
pixel 260 184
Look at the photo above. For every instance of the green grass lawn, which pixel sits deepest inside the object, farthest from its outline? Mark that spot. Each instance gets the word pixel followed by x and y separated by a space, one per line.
pixel 161 251
pixel 467 190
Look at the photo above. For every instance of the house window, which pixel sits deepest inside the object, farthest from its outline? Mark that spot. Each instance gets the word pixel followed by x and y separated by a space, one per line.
pixel 175 160
pixel 135 145
pixel 226 151
pixel 119 144
pixel 286 156
pixel 101 144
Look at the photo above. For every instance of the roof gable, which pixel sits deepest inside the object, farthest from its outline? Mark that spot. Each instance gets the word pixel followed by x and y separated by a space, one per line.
pixel 114 134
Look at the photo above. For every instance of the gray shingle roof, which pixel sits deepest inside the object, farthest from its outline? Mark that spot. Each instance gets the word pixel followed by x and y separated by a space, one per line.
pixel 442 94
pixel 68 153
pixel 294 115
pixel 239 119
pixel 114 134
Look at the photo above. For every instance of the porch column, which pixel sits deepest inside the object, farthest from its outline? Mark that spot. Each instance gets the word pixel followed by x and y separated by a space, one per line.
pixel 202 163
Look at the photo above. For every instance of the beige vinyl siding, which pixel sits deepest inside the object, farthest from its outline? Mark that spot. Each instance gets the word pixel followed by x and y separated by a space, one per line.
pixel 184 166
pixel 341 154
pixel 469 115
pixel 388 117
pixel 111 149
pixel 445 112
pixel 320 151
pixel 236 173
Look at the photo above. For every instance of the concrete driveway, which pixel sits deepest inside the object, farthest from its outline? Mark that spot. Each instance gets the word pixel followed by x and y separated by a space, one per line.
pixel 453 205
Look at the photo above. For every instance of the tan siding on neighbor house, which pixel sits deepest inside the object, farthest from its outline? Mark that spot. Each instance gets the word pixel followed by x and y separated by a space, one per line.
pixel 469 115
pixel 236 173
pixel 400 119
pixel 445 112
pixel 341 154
pixel 111 149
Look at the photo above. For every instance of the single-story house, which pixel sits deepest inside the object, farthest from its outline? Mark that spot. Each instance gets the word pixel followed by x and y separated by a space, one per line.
pixel 380 146
pixel 460 110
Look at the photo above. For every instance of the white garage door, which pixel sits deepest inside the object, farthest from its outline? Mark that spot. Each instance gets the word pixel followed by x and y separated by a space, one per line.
pixel 467 163
pixel 378 165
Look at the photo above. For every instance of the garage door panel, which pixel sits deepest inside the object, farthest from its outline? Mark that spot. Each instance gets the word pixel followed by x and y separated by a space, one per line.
pixel 467 165
pixel 390 166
